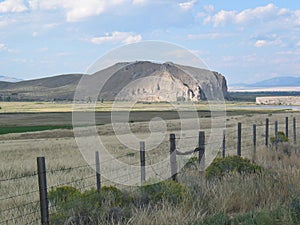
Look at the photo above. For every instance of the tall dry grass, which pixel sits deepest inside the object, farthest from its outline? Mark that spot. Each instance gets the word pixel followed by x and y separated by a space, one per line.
pixel 233 195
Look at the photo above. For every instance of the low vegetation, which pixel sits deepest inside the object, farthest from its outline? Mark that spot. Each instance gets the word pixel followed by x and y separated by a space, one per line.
pixel 233 190
pixel 221 167
pixel 20 129
pixel 243 193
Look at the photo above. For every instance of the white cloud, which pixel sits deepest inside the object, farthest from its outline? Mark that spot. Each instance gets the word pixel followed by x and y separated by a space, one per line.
pixel 44 49
pixel 76 10
pixel 34 34
pixel 187 5
pixel 50 25
pixel 117 37
pixel 138 2
pixel 3 47
pixel 221 17
pixel 209 8
pixel 13 6
pixel 208 36
pixel 268 12
pixel 3 23
pixel 262 42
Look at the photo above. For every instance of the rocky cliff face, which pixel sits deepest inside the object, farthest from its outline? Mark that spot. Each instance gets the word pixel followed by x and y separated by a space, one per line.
pixel 127 81
pixel 147 81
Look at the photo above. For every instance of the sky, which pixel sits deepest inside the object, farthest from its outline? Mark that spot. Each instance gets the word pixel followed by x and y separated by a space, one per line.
pixel 246 41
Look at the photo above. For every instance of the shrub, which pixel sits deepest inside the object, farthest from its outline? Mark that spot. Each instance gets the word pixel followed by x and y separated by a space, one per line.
pixel 222 166
pixel 281 143
pixel 62 194
pixel 111 196
pixel 280 138
pixel 192 163
pixel 83 208
pixel 168 190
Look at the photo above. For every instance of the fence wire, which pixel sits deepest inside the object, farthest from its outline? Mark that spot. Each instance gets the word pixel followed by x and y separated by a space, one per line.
pixel 14 212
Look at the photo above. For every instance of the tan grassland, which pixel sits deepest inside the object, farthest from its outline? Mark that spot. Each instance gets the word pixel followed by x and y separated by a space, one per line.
pixel 18 153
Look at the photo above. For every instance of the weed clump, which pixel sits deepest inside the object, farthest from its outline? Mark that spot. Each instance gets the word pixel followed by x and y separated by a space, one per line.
pixel 84 207
pixel 231 164
pixel 280 138
pixel 168 190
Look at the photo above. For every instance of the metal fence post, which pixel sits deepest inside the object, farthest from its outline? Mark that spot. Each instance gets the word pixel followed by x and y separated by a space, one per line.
pixel 201 144
pixel 287 127
pixel 294 130
pixel 224 144
pixel 276 135
pixel 173 157
pixel 254 143
pixel 98 171
pixel 239 143
pixel 267 132
pixel 44 204
pixel 143 163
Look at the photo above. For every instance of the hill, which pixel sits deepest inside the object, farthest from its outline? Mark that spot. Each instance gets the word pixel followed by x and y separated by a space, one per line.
pixel 278 82
pixel 9 79
pixel 140 80
pixel 274 84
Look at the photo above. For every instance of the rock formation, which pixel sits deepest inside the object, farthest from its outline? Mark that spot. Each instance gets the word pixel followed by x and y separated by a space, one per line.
pixel 127 81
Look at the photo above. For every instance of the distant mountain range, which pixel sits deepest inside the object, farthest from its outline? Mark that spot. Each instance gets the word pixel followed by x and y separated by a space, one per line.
pixel 9 79
pixel 273 82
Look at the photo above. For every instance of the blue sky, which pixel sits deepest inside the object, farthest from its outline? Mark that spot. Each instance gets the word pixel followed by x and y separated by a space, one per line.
pixel 246 41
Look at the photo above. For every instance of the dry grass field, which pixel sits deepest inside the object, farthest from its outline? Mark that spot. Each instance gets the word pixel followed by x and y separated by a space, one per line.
pixel 66 166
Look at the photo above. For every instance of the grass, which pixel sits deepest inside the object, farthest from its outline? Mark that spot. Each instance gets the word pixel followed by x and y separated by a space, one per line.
pixel 67 107
pixel 239 199
pixel 270 197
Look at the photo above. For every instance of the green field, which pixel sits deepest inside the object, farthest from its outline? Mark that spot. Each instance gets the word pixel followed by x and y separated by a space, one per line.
pixel 20 129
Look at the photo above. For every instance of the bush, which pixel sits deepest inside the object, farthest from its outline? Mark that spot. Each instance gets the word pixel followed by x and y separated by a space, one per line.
pixel 279 139
pixel 170 191
pixel 62 195
pixel 192 163
pixel 222 166
pixel 112 196
pixel 282 143
pixel 83 208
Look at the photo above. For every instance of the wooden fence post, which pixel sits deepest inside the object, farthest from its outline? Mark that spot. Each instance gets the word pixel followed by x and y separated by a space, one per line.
pixel 254 143
pixel 294 130
pixel 173 157
pixel 287 127
pixel 44 204
pixel 239 143
pixel 98 172
pixel 143 163
pixel 267 132
pixel 201 144
pixel 224 143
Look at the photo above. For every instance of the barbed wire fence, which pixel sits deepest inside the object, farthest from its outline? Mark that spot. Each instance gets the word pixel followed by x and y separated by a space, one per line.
pixel 31 205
